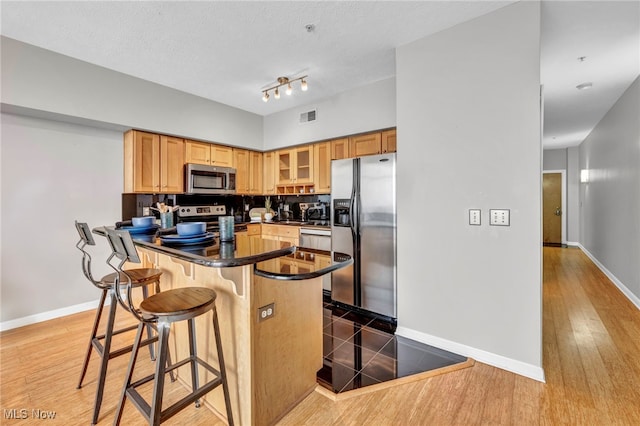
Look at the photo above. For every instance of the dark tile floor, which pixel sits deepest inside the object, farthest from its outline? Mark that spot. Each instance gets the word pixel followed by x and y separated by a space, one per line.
pixel 360 351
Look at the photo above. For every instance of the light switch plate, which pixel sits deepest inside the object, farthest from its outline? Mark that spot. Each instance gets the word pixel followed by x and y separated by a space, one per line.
pixel 499 217
pixel 474 216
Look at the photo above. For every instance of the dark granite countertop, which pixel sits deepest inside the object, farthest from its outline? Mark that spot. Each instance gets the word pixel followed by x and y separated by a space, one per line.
pixel 245 250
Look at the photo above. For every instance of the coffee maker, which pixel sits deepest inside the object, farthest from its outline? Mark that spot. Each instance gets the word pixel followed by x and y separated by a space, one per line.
pixel 304 208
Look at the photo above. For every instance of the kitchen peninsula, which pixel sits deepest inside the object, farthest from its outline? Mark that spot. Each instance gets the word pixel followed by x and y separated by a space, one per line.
pixel 270 310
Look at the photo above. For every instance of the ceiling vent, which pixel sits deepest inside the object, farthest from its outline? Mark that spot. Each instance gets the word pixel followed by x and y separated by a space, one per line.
pixel 309 116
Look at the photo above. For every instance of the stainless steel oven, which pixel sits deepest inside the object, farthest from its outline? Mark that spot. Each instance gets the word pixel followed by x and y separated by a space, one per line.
pixel 201 179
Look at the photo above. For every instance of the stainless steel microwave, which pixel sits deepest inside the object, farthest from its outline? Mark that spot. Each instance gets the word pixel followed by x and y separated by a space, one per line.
pixel 201 179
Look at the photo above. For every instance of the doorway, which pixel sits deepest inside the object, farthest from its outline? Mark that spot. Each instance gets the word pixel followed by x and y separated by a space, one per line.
pixel 553 207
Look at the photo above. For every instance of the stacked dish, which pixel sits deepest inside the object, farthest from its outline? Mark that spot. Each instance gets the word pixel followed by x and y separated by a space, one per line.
pixel 141 225
pixel 189 233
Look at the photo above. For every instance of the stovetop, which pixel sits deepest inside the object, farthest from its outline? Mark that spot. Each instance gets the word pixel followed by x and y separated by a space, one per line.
pixel 207 214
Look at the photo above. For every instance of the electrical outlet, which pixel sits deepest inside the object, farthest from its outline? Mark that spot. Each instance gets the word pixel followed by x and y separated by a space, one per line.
pixel 266 312
pixel 499 217
pixel 474 216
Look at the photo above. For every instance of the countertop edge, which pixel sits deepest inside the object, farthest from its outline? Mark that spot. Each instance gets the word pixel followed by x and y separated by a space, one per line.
pixel 299 277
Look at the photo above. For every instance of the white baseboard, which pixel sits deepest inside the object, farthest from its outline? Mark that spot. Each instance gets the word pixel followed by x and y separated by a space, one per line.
pixel 632 297
pixel 572 243
pixel 45 316
pixel 514 366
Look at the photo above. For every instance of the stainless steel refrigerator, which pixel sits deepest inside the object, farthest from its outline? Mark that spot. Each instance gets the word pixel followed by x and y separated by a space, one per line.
pixel 363 225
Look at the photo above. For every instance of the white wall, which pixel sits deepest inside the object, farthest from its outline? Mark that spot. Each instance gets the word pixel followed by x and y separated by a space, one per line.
pixel 469 137
pixel 610 214
pixel 554 159
pixel 365 108
pixel 573 195
pixel 53 173
pixel 43 80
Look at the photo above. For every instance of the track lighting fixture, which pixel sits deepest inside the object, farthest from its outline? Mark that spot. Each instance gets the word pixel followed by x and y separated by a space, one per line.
pixel 284 81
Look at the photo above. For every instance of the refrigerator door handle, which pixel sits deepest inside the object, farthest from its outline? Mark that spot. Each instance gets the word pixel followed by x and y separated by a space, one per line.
pixel 355 200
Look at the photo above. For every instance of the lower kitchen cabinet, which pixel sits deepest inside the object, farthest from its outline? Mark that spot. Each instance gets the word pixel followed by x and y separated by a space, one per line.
pixel 286 234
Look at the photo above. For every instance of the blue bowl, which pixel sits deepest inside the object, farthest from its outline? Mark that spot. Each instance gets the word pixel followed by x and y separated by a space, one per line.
pixel 143 221
pixel 187 229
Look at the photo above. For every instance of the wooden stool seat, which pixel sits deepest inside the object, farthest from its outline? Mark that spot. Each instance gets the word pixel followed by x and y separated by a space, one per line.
pixel 139 277
pixel 179 304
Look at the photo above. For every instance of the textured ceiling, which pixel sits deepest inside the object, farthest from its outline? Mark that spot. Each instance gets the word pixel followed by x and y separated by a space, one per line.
pixel 229 51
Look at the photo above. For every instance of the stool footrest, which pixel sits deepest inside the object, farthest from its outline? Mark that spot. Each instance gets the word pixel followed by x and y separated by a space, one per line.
pixel 116 353
pixel 172 410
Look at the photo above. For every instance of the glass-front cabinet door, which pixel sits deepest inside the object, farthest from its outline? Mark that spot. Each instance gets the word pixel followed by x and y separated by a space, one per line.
pixel 303 164
pixel 285 170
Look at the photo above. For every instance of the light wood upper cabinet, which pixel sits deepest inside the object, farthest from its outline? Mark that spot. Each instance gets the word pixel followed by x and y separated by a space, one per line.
pixel 269 173
pixel 368 144
pixel 208 154
pixel 221 156
pixel 153 163
pixel 295 165
pixel 389 141
pixel 248 165
pixel 197 152
pixel 241 164
pixel 171 164
pixel 322 167
pixel 255 173
pixel 340 149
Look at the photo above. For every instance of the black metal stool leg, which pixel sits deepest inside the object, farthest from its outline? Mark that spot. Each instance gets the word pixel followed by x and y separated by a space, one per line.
pixel 223 370
pixel 161 363
pixel 145 294
pixel 195 382
pixel 104 361
pixel 129 376
pixel 94 332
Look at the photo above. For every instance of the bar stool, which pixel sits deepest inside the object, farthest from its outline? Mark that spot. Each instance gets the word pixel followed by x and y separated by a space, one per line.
pixel 163 309
pixel 142 277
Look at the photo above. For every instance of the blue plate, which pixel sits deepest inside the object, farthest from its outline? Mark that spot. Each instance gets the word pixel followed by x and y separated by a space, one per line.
pixel 140 229
pixel 209 236
pixel 180 237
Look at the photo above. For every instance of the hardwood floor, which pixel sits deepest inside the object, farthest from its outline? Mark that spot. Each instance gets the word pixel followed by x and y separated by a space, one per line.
pixel 591 349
